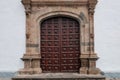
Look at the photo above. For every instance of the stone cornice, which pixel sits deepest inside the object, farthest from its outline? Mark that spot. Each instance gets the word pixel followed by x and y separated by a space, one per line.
pixel 30 3
pixel 91 5
pixel 59 3
pixel 26 2
pixel 55 2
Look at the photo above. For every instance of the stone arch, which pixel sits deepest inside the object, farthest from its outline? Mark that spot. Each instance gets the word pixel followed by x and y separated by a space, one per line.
pixel 83 17
pixel 60 13
pixel 41 18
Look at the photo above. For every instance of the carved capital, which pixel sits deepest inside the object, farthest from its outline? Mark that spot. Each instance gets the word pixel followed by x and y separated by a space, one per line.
pixel 91 5
pixel 27 5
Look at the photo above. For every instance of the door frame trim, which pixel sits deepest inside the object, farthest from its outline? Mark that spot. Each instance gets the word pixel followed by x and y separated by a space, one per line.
pixel 40 18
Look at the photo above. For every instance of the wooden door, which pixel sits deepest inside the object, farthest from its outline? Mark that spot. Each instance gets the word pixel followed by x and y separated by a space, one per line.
pixel 60 45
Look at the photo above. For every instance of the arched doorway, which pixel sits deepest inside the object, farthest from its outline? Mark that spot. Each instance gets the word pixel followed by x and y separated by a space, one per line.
pixel 60 45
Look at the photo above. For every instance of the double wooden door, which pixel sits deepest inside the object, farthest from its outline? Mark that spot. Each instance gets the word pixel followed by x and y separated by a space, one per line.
pixel 60 45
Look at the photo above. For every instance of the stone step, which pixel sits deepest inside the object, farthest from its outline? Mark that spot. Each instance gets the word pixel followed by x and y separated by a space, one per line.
pixel 59 76
pixel 59 79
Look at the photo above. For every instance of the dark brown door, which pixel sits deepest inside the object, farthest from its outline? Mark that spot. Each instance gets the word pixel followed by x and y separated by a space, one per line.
pixel 60 45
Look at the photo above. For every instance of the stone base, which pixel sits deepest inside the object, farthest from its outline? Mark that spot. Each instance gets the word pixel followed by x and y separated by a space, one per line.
pixel 30 71
pixel 59 76
pixel 92 71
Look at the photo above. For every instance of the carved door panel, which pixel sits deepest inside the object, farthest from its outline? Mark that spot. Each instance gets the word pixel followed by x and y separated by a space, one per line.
pixel 60 47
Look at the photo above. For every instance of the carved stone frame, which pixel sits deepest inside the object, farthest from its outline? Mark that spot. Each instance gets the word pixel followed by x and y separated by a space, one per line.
pixel 82 11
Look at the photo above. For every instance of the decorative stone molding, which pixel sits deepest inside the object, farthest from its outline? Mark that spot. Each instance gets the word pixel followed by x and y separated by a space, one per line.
pixel 27 5
pixel 40 10
pixel 32 45
pixel 87 43
pixel 55 2
pixel 91 5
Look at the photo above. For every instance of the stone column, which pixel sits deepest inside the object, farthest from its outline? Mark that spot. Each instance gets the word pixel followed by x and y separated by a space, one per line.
pixel 92 55
pixel 88 57
pixel 84 46
pixel 31 58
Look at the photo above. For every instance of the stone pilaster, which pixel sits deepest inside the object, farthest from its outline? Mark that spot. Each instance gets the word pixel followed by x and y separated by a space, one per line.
pixel 93 56
pixel 88 57
pixel 31 58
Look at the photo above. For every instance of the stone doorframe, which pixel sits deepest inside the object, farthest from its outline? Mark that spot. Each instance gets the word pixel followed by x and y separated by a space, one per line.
pixel 39 10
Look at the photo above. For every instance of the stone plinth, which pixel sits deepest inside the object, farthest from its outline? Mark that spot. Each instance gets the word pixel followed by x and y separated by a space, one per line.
pixel 59 76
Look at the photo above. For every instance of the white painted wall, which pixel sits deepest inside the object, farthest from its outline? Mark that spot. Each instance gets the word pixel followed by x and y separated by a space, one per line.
pixel 107 32
pixel 12 35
